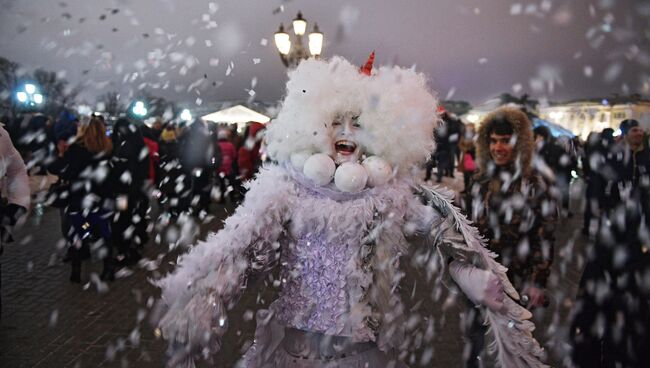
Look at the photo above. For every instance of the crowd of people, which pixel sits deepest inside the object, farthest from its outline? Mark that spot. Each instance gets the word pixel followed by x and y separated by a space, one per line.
pixel 521 188
pixel 110 174
pixel 516 185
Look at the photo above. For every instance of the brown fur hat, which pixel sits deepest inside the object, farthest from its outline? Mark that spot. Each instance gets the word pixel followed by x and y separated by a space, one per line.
pixel 522 129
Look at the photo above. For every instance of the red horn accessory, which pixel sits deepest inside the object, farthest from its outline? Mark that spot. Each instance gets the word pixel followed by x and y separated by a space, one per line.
pixel 367 68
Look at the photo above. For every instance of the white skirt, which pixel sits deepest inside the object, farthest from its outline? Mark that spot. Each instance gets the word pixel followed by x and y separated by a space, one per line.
pixel 278 347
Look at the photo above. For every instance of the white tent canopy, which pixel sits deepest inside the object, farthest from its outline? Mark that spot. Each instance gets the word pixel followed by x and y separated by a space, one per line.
pixel 239 115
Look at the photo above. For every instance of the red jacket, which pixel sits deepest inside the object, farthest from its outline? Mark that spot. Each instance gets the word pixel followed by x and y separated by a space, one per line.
pixel 228 156
pixel 154 158
pixel 249 158
pixel 246 161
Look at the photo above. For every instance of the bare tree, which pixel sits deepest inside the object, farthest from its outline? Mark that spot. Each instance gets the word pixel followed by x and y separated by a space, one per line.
pixel 112 104
pixel 58 94
pixel 9 76
pixel 158 106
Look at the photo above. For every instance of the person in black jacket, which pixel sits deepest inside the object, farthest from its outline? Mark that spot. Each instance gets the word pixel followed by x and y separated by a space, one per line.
pixel 86 168
pixel 199 156
pixel 559 160
pixel 611 327
pixel 447 136
pixel 596 173
pixel 131 168
pixel 36 139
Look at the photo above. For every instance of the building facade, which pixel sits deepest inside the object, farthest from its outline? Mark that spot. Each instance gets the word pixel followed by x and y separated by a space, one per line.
pixel 583 117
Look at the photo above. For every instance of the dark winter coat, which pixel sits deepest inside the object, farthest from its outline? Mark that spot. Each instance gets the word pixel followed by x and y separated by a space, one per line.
pixel 197 150
pixel 65 127
pixel 552 155
pixel 35 137
pixel 596 167
pixel 89 179
pixel 614 292
pixel 512 207
pixel 628 212
pixel 130 159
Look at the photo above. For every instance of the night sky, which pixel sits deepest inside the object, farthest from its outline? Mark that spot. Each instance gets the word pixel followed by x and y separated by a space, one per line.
pixel 221 50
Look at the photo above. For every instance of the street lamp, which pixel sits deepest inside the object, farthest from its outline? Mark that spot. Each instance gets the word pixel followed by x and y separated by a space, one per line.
pixel 186 115
pixel 139 109
pixel 29 95
pixel 292 56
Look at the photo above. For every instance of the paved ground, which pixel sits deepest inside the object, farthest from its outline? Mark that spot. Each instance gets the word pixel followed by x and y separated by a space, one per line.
pixel 48 322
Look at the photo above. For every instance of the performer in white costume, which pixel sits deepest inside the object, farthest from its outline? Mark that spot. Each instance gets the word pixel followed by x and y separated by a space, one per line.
pixel 336 212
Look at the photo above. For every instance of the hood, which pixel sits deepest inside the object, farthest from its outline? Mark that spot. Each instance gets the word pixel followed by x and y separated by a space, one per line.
pixel 66 117
pixel 523 130
pixel 125 131
pixel 254 128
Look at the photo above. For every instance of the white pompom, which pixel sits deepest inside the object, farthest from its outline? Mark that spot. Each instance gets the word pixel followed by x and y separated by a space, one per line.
pixel 298 159
pixel 379 171
pixel 319 168
pixel 350 177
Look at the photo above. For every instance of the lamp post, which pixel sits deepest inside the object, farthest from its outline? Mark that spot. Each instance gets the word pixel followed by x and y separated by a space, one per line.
pixel 138 110
pixel 292 54
pixel 29 96
pixel 186 115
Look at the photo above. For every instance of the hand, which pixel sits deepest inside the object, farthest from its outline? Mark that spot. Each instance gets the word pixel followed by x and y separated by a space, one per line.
pixel 122 202
pixel 480 286
pixel 536 297
pixel 494 294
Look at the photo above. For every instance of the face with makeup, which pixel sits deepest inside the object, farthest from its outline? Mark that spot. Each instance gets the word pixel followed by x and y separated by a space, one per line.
pixel 346 135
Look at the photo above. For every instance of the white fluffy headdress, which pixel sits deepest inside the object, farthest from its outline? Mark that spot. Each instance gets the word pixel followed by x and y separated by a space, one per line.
pixel 396 111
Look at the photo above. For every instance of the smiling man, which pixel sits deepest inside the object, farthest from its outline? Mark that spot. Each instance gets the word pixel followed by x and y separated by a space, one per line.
pixel 512 209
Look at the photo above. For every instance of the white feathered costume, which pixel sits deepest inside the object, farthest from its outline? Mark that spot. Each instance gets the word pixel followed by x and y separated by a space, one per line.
pixel 338 242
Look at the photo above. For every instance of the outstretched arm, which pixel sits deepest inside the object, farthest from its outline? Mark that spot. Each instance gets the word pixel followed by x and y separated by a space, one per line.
pixel 210 278
pixel 461 250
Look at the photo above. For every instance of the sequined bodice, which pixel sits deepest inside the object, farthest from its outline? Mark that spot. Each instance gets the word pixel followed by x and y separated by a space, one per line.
pixel 316 289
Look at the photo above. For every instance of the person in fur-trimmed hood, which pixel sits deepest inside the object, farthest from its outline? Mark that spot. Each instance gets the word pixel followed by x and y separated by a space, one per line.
pixel 511 206
pixel 335 213
pixel 507 181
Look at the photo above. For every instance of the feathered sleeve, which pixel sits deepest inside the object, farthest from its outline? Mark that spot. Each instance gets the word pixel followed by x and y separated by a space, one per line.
pixel 454 238
pixel 210 278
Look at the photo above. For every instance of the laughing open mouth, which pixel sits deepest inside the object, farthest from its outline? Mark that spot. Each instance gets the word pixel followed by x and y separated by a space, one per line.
pixel 345 147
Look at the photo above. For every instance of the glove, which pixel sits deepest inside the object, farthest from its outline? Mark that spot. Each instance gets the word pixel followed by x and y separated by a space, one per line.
pixel 480 286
